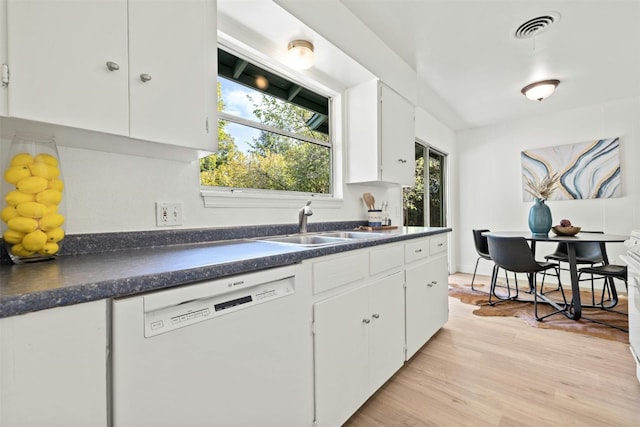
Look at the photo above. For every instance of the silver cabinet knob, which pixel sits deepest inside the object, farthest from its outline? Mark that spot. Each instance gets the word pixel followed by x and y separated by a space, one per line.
pixel 145 77
pixel 366 321
pixel 112 66
pixel 375 316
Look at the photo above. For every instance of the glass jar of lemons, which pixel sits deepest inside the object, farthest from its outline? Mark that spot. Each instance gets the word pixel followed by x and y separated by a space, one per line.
pixel 33 213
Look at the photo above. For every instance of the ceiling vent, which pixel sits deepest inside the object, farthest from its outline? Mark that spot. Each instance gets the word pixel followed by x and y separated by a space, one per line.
pixel 536 26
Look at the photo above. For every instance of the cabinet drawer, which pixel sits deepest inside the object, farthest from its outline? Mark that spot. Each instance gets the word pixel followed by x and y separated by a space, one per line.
pixel 415 250
pixel 336 272
pixel 386 258
pixel 438 245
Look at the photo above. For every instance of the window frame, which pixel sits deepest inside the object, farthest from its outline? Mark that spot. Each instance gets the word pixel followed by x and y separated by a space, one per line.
pixel 254 197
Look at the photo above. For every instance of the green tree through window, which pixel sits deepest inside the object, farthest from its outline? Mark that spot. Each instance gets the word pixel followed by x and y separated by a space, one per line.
pixel 273 147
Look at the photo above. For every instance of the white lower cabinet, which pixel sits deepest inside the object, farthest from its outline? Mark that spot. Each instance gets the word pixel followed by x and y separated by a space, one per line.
pixel 427 307
pixel 359 344
pixel 372 310
pixel 53 367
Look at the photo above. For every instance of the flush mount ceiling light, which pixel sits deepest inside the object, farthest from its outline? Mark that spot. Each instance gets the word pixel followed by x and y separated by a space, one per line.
pixel 301 54
pixel 540 90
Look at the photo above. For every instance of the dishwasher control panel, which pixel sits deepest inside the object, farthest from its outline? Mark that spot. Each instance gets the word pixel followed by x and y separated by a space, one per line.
pixel 183 313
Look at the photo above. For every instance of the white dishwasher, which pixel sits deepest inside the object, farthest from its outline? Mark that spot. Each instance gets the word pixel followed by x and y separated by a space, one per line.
pixel 229 352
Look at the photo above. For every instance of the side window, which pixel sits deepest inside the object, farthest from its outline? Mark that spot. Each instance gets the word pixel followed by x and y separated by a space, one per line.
pixel 273 133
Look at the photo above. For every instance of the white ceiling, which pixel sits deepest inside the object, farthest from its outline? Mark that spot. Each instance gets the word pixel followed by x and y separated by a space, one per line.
pixel 467 53
pixel 463 51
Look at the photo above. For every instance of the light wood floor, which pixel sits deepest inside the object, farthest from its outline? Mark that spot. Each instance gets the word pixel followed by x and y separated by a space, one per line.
pixel 495 371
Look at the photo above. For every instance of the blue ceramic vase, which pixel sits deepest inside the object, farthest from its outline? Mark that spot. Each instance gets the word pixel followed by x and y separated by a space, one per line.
pixel 540 218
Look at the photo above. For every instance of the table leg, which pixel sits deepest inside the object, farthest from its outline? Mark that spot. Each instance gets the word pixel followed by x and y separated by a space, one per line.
pixel 575 285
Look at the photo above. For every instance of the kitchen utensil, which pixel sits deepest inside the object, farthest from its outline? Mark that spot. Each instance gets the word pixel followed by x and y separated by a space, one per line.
pixel 369 200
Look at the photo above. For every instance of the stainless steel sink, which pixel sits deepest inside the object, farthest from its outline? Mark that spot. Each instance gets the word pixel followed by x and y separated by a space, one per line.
pixel 306 240
pixel 321 238
pixel 352 234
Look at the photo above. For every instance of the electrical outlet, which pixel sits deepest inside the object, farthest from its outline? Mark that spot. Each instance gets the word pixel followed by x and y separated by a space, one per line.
pixel 168 214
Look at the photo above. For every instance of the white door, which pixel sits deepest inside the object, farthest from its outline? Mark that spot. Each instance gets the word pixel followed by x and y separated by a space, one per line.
pixel 58 53
pixel 427 307
pixel 398 136
pixel 3 58
pixel 386 344
pixel 173 72
pixel 341 356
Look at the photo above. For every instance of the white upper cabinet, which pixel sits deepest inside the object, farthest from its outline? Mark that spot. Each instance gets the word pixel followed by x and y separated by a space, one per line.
pixel 381 135
pixel 173 69
pixel 68 63
pixel 3 59
pixel 144 69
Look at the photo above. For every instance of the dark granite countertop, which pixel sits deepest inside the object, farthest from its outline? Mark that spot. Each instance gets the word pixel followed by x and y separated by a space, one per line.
pixel 182 257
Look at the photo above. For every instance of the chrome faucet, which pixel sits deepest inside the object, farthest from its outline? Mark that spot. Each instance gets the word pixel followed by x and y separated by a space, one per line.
pixel 304 212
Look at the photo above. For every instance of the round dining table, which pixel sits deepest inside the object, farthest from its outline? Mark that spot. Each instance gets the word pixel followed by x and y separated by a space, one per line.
pixel 576 312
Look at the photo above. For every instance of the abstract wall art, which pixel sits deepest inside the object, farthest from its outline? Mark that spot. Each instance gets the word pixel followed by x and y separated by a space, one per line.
pixel 588 170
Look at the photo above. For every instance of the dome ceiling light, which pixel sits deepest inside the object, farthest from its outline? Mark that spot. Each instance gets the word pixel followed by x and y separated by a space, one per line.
pixel 301 54
pixel 540 90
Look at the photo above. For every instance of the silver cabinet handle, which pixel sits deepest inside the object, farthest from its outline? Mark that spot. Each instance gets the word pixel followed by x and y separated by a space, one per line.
pixel 367 321
pixel 402 161
pixel 432 284
pixel 145 77
pixel 376 316
pixel 418 251
pixel 112 66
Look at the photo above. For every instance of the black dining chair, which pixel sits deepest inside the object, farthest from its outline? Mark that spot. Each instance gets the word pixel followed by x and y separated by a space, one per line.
pixel 514 254
pixel 607 272
pixel 482 249
pixel 588 253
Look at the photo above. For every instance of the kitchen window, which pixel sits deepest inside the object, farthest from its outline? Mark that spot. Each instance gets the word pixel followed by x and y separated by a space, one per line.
pixel 273 134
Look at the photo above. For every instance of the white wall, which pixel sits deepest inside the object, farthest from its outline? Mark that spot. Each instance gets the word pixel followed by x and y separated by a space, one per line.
pixel 108 192
pixel 431 131
pixel 489 175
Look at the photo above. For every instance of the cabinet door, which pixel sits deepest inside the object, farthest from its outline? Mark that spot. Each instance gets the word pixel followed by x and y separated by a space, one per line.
pixel 3 58
pixel 427 305
pixel 58 55
pixel 397 138
pixel 386 343
pixel 53 367
pixel 173 72
pixel 341 356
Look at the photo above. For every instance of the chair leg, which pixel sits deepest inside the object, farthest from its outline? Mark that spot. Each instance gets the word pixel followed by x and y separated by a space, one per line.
pixel 544 275
pixel 492 287
pixel 474 274
pixel 559 309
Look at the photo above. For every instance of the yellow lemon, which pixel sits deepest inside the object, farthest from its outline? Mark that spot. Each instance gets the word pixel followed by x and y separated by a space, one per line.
pixel 44 170
pixel 51 221
pixel 56 184
pixel 15 197
pixel 51 209
pixel 19 250
pixel 22 224
pixel 32 209
pixel 34 241
pixel 32 184
pixel 21 159
pixel 13 174
pixel 12 236
pixel 49 197
pixel 55 235
pixel 49 249
pixel 7 213
pixel 46 158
